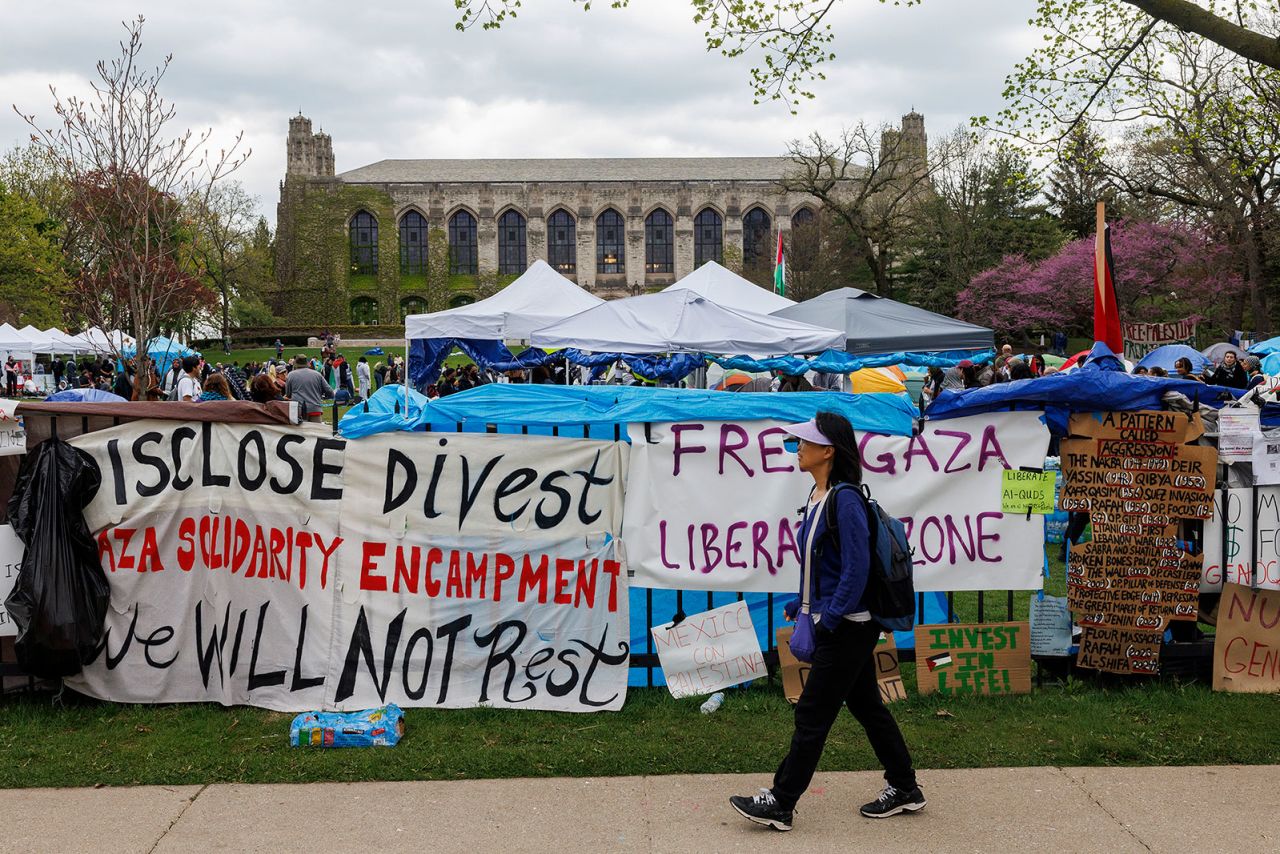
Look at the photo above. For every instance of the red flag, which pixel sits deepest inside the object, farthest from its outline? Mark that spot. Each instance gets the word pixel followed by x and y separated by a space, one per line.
pixel 1106 313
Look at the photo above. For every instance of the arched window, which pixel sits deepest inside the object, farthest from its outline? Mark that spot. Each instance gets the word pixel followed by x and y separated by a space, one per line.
pixel 659 242
pixel 562 242
pixel 610 243
pixel 512 259
pixel 805 240
pixel 461 300
pixel 413 244
pixel 412 305
pixel 364 311
pixel 755 238
pixel 708 238
pixel 364 244
pixel 462 244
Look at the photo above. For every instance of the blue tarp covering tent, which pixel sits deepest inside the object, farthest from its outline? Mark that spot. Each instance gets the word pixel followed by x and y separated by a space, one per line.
pixel 383 412
pixel 1271 364
pixel 1100 385
pixel 548 405
pixel 1167 355
pixel 1266 348
pixel 161 350
pixel 84 395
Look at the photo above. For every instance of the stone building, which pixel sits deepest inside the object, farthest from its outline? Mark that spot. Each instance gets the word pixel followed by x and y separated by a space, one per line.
pixel 404 236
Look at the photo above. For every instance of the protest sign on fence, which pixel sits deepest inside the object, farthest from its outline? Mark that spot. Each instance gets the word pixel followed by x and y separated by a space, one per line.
pixel 713 506
pixel 706 652
pixel 1050 626
pixel 1250 538
pixel 1236 431
pixel 1027 491
pixel 266 566
pixel 1135 476
pixel 795 672
pixel 11 551
pixel 1246 649
pixel 1141 338
pixel 985 658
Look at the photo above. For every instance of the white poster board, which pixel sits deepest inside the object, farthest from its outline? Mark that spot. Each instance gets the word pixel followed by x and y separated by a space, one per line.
pixel 706 652
pixel 1236 431
pixel 1250 549
pixel 11 550
pixel 713 505
pixel 13 438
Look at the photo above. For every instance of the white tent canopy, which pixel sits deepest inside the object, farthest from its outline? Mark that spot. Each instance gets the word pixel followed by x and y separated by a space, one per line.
pixel 41 342
pixel 539 297
pixel 681 321
pixel 13 341
pixel 725 287
pixel 94 340
pixel 64 343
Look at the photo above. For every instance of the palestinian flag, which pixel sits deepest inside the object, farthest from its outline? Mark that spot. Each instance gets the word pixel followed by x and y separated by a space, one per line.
pixel 780 271
pixel 1106 314
pixel 942 659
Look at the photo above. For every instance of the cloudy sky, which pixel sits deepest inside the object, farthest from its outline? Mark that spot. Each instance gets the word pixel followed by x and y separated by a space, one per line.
pixel 393 78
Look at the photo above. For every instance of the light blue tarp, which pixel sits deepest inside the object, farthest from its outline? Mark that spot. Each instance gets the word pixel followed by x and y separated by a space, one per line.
pixel 1167 355
pixel 1100 385
pixel 840 362
pixel 384 412
pixel 161 350
pixel 1271 364
pixel 547 405
pixel 1266 348
pixel 84 395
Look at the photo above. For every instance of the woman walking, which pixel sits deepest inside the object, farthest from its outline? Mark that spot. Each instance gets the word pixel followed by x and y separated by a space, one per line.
pixel 834 574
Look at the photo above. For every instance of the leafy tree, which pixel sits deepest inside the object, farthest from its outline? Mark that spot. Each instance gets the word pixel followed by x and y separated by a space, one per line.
pixel 32 280
pixel 1078 181
pixel 1162 272
pixel 132 183
pixel 224 228
pixel 794 38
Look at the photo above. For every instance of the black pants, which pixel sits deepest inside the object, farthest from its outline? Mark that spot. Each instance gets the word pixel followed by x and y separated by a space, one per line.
pixel 842 674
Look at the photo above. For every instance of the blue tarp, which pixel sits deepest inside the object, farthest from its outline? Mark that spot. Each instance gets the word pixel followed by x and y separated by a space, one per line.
pixel 840 362
pixel 161 350
pixel 1086 390
pixel 1266 348
pixel 385 411
pixel 548 405
pixel 84 395
pixel 1166 356
pixel 1271 364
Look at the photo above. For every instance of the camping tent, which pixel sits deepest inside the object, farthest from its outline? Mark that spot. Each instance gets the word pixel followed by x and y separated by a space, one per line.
pixel 874 324
pixel 727 288
pixel 161 350
pixel 681 321
pixel 539 297
pixel 1165 355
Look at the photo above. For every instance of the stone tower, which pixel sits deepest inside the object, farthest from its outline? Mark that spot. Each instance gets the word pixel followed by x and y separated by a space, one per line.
pixel 309 155
pixel 908 143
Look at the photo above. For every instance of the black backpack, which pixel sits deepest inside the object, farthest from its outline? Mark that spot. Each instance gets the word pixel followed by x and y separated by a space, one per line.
pixel 890 595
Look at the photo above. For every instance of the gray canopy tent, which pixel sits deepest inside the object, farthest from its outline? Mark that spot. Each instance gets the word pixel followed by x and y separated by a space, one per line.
pixel 876 325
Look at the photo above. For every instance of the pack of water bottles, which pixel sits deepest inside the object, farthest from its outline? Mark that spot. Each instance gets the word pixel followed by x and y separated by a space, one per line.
pixel 380 727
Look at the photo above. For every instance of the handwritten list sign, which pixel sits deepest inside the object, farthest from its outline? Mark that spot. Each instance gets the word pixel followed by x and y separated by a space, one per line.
pixel 1137 478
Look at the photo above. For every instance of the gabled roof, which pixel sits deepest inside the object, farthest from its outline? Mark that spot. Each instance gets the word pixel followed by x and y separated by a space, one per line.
pixel 581 169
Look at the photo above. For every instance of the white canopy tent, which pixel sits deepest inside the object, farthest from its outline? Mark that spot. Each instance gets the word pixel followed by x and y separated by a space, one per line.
pixel 725 287
pixel 681 321
pixel 12 341
pixel 41 342
pixel 539 297
pixel 64 343
pixel 95 340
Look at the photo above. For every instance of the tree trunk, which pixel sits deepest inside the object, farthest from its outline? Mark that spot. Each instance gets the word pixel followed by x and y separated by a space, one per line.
pixel 1192 18
pixel 1255 270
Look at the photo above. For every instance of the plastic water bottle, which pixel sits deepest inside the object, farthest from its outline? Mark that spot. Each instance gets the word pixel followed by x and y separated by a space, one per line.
pixel 713 702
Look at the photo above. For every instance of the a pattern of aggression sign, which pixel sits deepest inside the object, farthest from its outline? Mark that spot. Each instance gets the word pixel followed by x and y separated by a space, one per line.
pixel 291 570
pixel 713 505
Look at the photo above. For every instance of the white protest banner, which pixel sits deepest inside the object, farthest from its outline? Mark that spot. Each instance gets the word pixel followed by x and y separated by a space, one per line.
pixel 11 550
pixel 1250 549
pixel 13 439
pixel 1141 338
pixel 713 505
pixel 219 544
pixel 482 570
pixel 706 652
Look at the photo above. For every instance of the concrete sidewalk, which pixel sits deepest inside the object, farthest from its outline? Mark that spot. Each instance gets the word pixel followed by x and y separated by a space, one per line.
pixel 1003 809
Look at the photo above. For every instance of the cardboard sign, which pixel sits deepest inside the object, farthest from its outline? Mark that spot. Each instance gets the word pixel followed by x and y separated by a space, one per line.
pixel 11 551
pixel 795 672
pixel 709 651
pixel 712 505
pixel 1141 338
pixel 1136 478
pixel 1027 491
pixel 1246 650
pixel 982 658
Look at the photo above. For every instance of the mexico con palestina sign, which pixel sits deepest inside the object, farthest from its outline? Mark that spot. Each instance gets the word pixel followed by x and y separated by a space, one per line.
pixel 713 505
pixel 259 565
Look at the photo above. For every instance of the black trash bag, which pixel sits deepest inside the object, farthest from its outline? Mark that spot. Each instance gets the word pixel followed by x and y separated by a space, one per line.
pixel 59 600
